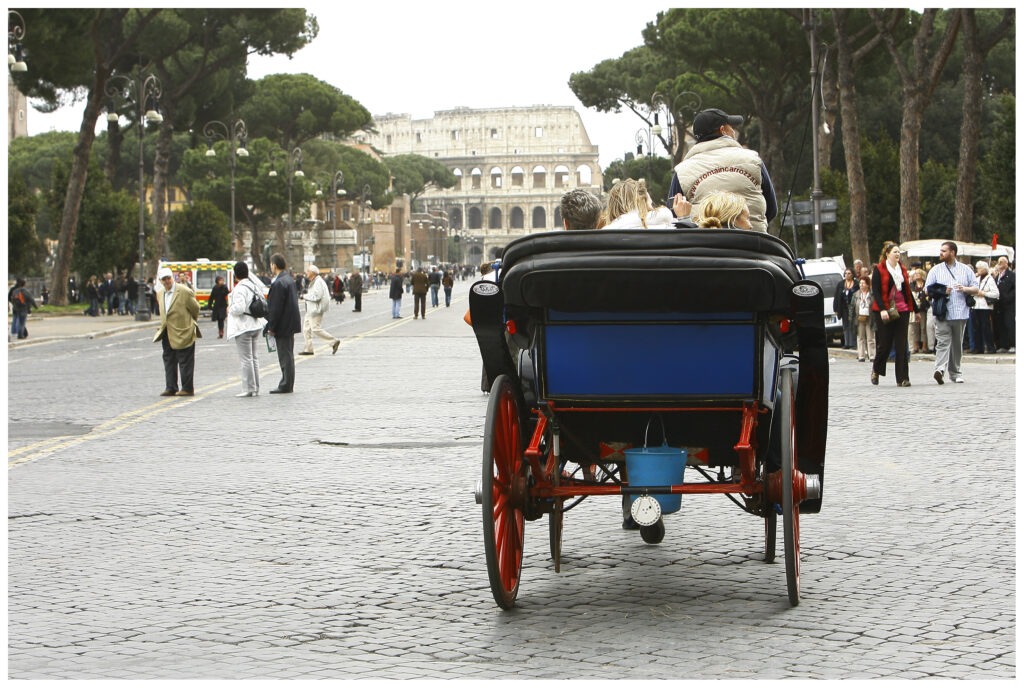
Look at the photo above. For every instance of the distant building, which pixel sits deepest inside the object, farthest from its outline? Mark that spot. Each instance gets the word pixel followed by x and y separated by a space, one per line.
pixel 512 164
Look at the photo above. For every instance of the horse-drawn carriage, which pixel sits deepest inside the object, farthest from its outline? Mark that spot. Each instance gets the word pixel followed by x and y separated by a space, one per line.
pixel 603 345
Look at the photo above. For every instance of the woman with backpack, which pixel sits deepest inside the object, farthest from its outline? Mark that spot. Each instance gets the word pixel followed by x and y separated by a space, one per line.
pixel 245 328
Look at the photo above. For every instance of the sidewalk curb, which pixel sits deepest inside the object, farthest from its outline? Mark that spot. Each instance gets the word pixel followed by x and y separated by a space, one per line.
pixel 87 335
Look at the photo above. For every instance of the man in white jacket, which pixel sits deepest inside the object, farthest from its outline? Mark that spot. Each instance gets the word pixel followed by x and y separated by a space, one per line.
pixel 318 299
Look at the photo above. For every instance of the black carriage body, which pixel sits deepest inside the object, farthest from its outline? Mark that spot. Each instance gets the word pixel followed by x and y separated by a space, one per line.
pixel 651 319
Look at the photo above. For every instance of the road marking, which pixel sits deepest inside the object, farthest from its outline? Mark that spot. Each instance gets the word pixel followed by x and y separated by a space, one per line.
pixel 42 448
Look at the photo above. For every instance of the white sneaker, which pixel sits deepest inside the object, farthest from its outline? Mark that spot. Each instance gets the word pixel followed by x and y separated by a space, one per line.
pixel 958 380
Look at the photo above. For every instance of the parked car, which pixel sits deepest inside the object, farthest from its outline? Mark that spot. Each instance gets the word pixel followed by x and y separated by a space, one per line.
pixel 828 273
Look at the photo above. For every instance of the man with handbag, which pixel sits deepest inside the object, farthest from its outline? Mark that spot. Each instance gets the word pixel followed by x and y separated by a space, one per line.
pixel 959 282
pixel 317 298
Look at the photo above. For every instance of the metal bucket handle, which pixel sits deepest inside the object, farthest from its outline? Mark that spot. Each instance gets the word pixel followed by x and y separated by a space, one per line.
pixel 664 437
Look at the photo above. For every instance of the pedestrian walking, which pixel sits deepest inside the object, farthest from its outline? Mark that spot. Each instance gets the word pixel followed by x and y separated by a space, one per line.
pixel 953 282
pixel 420 282
pixel 981 312
pixel 447 282
pixel 1006 281
pixel 179 329
pixel 435 285
pixel 219 305
pixel 22 304
pixel 355 287
pixel 865 326
pixel 245 329
pixel 843 306
pixel 891 305
pixel 317 299
pixel 283 322
pixel 395 293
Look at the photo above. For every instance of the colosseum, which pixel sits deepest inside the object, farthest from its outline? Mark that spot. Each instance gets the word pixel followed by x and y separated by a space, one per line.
pixel 512 165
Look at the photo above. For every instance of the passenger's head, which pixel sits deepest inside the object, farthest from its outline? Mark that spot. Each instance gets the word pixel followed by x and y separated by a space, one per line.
pixel 629 195
pixel 580 209
pixel 888 248
pixel 723 209
pixel 712 123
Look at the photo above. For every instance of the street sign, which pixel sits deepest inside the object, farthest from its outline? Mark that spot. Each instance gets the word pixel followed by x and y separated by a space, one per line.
pixel 807 219
pixel 802 207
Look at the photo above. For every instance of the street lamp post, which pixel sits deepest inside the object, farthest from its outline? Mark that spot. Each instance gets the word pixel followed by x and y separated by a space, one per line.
pixel 236 135
pixel 691 103
pixel 810 27
pixel 294 169
pixel 336 182
pixel 15 32
pixel 148 89
pixel 364 204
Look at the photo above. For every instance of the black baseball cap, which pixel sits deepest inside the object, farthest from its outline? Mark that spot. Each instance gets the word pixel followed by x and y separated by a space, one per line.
pixel 710 121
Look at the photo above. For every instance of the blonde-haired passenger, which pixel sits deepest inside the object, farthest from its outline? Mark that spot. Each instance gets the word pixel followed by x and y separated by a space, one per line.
pixel 630 207
pixel 723 210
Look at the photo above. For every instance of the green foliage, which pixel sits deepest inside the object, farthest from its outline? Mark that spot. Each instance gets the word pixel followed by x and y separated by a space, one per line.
pixel 108 224
pixel 291 109
pixel 25 251
pixel 938 200
pixel 882 178
pixel 655 170
pixel 414 174
pixel 997 173
pixel 199 231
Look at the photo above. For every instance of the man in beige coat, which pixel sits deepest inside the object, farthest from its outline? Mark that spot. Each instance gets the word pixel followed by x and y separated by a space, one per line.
pixel 179 329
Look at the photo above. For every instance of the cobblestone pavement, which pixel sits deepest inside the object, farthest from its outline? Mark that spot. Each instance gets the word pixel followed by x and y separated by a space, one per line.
pixel 332 533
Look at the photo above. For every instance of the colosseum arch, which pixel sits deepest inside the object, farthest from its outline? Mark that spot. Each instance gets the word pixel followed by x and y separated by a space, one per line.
pixel 518 174
pixel 476 218
pixel 496 178
pixel 455 217
pixel 475 176
pixel 584 175
pixel 540 218
pixel 517 219
pixel 558 218
pixel 540 177
pixel 458 179
pixel 494 221
pixel 561 176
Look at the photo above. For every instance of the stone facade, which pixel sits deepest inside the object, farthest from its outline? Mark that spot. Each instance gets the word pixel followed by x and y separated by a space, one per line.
pixel 513 165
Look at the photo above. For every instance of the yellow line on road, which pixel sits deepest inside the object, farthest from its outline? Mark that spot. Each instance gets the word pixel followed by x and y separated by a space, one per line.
pixel 37 450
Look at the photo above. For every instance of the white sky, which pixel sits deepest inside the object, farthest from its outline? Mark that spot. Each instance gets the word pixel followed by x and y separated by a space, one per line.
pixel 418 58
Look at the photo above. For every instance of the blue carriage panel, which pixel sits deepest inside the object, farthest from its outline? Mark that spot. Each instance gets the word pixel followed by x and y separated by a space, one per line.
pixel 638 360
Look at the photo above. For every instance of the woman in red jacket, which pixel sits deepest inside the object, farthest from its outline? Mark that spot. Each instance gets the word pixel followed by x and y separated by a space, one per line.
pixel 890 288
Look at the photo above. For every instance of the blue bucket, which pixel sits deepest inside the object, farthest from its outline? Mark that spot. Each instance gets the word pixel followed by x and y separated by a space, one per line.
pixel 650 466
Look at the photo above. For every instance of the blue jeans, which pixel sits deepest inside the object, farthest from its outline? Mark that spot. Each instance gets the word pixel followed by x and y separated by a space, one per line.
pixel 396 306
pixel 433 295
pixel 447 296
pixel 18 325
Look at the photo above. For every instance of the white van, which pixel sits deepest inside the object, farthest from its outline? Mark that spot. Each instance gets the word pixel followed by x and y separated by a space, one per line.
pixel 828 273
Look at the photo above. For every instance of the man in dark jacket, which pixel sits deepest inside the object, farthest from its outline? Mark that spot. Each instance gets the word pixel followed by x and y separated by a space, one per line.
pixel 420 282
pixel 355 286
pixel 21 304
pixel 395 293
pixel 284 321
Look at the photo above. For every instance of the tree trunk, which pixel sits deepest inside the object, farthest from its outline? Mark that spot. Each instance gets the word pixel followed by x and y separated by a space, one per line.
pixel 910 166
pixel 851 141
pixel 975 51
pixel 161 164
pixel 919 77
pixel 76 189
pixel 115 137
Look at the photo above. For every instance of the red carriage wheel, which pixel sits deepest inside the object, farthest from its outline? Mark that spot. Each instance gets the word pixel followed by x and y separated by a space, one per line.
pixel 790 508
pixel 503 491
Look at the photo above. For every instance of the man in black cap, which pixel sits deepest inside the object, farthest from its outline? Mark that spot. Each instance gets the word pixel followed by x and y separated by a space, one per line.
pixel 717 162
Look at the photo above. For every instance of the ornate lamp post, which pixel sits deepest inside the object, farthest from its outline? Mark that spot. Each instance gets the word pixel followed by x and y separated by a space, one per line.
pixel 15 32
pixel 336 182
pixel 121 86
pixel 294 169
pixel 236 135
pixel 364 205
pixel 684 101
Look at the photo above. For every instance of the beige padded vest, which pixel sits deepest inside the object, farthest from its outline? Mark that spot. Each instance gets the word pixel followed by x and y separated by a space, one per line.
pixel 722 164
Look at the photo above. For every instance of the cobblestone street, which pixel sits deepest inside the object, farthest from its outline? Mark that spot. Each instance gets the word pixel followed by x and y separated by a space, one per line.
pixel 332 533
